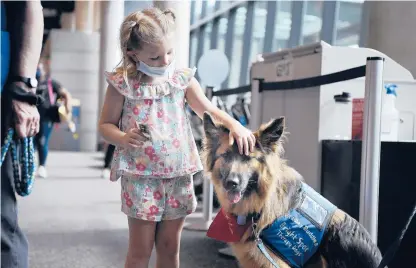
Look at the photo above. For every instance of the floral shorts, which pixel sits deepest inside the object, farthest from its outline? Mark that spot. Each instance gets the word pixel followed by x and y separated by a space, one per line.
pixel 155 199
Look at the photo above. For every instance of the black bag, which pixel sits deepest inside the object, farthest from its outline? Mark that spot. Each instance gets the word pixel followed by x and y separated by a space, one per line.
pixel 47 109
pixel 53 115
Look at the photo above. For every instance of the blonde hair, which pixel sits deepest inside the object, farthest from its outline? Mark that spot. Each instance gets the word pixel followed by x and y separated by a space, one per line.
pixel 148 26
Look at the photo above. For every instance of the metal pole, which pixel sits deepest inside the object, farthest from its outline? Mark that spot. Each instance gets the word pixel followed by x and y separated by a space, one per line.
pixel 256 102
pixel 370 159
pixel 208 191
pixel 208 200
pixel 208 194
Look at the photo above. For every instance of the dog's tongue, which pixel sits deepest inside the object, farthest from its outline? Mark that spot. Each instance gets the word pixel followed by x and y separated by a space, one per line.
pixel 234 197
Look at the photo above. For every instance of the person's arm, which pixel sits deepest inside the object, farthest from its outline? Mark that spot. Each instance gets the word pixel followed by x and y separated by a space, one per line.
pixel 64 94
pixel 110 116
pixel 25 27
pixel 200 104
pixel 109 121
pixel 67 98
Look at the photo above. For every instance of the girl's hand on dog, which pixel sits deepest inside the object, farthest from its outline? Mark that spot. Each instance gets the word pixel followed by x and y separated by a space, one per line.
pixel 244 137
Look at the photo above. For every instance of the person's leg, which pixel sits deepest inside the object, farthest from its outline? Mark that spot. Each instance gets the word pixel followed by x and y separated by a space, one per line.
pixel 141 199
pixel 14 246
pixel 47 131
pixel 109 155
pixel 107 161
pixel 38 141
pixel 42 145
pixel 141 241
pixel 168 238
pixel 180 202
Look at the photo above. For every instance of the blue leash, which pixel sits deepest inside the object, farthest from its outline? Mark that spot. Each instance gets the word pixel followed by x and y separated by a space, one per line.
pixel 261 246
pixel 23 161
pixel 263 250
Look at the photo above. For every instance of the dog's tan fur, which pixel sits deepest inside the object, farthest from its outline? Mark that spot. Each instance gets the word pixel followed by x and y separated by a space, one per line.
pixel 271 194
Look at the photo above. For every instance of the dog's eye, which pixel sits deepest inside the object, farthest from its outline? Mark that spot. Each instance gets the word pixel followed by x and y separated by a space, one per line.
pixel 252 182
pixel 254 177
pixel 224 173
pixel 261 159
pixel 227 156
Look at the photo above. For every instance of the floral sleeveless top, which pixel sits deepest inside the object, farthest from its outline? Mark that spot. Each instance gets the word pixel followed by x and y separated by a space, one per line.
pixel 172 151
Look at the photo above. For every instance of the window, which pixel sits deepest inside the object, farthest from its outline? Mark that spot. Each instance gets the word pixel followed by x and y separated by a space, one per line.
pixel 259 29
pixel 193 48
pixel 222 4
pixel 133 6
pixel 312 22
pixel 348 24
pixel 198 10
pixel 210 6
pixel 207 37
pixel 222 31
pixel 193 13
pixel 237 50
pixel 259 32
pixel 283 25
pixel 204 43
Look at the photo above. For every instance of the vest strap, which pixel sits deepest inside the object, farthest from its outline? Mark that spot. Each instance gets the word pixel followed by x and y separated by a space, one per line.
pixel 263 250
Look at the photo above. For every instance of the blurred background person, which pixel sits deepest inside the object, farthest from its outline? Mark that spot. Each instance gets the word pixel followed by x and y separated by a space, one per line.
pixel 51 91
pixel 107 161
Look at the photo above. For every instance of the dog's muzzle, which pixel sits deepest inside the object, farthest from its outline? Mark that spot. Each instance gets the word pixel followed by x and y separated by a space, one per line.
pixel 232 185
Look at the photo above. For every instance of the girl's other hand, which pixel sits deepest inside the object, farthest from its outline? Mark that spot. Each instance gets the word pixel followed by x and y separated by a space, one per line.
pixel 245 138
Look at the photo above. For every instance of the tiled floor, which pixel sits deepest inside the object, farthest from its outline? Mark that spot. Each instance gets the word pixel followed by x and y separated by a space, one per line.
pixel 73 219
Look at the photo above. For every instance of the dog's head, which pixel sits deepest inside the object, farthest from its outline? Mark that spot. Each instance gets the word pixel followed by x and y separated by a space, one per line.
pixel 243 183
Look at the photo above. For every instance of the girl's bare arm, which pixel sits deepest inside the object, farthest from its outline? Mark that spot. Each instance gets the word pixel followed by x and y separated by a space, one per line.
pixel 200 104
pixel 110 117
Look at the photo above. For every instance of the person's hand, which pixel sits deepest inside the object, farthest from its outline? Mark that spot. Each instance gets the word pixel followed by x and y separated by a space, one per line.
pixel 133 139
pixel 244 137
pixel 26 119
pixel 68 105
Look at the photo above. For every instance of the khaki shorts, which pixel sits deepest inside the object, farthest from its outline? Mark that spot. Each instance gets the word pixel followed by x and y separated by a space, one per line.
pixel 155 199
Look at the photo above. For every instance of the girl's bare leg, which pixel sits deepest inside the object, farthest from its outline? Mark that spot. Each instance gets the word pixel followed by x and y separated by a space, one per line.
pixel 141 241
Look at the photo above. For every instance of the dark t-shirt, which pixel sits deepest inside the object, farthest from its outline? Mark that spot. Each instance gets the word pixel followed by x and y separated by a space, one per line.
pixel 43 91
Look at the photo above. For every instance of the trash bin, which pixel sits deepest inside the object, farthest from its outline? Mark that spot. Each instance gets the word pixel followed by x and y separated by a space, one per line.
pixel 341 170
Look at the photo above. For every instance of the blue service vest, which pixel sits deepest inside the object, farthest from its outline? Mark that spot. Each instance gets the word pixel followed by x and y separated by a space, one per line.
pixel 5 48
pixel 296 237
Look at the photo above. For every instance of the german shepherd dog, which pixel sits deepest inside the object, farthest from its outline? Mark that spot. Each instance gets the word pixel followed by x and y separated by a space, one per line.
pixel 263 184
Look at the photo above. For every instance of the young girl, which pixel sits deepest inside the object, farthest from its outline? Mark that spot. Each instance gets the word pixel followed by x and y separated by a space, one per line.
pixel 144 116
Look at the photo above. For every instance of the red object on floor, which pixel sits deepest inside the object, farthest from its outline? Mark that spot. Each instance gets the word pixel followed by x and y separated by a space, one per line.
pixel 357 118
pixel 225 228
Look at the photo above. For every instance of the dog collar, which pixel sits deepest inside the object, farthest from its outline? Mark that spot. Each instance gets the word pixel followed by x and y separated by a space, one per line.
pixel 251 217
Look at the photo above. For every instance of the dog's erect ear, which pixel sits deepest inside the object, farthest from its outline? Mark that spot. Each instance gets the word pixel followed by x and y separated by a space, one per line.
pixel 270 134
pixel 211 130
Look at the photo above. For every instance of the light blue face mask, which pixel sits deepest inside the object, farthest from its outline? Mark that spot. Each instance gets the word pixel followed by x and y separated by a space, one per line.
pixel 165 71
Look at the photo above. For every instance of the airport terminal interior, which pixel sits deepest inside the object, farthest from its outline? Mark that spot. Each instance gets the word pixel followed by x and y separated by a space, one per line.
pixel 341 73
